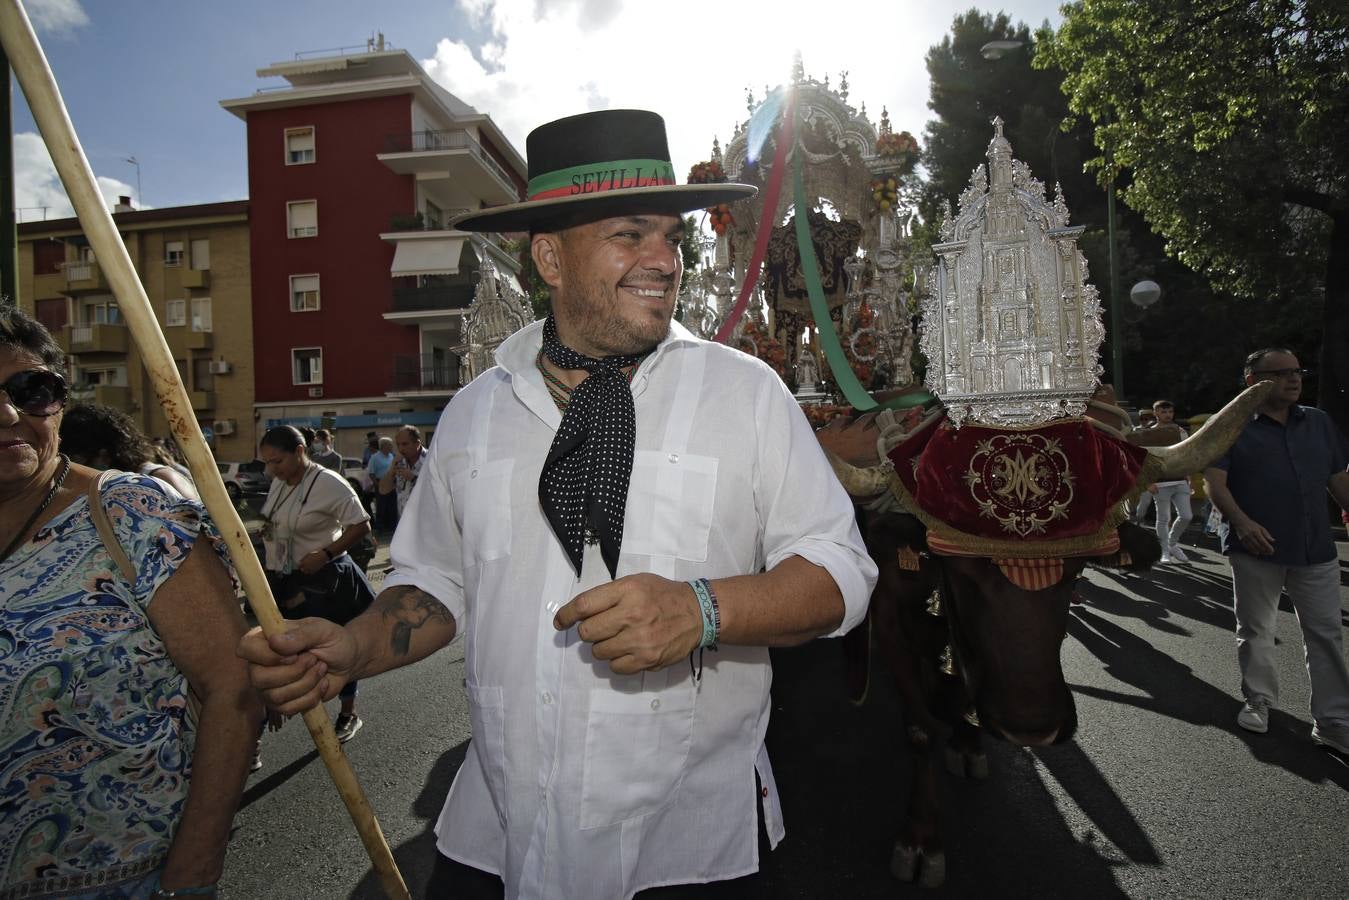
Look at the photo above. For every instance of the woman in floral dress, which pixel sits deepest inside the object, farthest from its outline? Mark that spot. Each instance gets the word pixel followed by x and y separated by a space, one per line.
pixel 125 719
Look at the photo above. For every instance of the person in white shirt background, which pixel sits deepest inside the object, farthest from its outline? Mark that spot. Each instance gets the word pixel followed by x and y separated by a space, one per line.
pixel 407 465
pixel 620 518
pixel 1167 494
pixel 311 519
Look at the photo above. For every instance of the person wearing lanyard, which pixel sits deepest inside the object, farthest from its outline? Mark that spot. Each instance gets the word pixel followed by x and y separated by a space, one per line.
pixel 312 518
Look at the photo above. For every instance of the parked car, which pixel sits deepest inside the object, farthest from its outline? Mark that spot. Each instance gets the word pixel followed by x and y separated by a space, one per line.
pixel 244 478
pixel 359 479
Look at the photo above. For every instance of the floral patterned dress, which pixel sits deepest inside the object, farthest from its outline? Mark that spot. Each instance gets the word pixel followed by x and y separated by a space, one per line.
pixel 96 735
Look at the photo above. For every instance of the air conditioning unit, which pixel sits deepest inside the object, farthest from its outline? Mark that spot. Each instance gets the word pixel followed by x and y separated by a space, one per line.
pixel 316 392
pixel 223 426
pixel 218 367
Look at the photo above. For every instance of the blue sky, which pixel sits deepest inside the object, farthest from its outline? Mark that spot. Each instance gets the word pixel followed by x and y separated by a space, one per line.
pixel 144 78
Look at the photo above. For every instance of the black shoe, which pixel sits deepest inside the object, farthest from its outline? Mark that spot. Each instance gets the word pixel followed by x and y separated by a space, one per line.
pixel 346 726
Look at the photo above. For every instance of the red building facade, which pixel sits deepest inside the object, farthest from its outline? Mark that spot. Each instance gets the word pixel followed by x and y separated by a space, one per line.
pixel 359 286
pixel 355 197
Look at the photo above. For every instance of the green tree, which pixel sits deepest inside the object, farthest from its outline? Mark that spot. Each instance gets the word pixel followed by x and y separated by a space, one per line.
pixel 969 90
pixel 1229 123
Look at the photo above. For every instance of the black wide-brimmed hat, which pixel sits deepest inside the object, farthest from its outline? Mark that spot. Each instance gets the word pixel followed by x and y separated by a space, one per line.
pixel 597 165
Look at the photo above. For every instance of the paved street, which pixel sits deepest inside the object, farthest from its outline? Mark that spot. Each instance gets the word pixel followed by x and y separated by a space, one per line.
pixel 1160 794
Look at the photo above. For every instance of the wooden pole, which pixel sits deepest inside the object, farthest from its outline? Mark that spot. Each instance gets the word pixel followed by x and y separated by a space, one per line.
pixel 44 99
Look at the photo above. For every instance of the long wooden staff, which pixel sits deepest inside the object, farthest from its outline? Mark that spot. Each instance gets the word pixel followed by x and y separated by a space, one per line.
pixel 44 99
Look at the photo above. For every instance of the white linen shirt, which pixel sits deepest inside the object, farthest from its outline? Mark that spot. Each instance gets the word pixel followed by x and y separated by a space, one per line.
pixel 309 516
pixel 580 783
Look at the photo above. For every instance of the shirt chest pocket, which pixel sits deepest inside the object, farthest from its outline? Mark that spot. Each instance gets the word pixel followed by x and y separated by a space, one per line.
pixel 482 504
pixel 636 748
pixel 670 503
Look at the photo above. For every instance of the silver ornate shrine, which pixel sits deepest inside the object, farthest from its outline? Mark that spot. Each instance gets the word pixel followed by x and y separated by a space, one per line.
pixel 498 310
pixel 864 247
pixel 1010 326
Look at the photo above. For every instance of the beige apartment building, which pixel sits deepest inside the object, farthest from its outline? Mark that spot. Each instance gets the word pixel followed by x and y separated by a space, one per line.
pixel 194 264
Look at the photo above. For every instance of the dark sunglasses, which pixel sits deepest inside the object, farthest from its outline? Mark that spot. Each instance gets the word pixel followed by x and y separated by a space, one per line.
pixel 36 392
pixel 1283 373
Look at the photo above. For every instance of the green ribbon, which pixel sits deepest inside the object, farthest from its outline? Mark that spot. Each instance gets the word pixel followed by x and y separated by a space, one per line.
pixel 852 389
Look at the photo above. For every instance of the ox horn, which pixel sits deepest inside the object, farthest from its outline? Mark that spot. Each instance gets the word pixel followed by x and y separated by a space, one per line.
pixel 859 482
pixel 1213 440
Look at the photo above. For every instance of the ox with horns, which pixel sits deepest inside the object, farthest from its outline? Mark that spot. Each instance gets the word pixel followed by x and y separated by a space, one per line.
pixel 972 643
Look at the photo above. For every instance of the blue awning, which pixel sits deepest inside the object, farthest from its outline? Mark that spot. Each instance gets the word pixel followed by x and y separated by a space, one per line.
pixel 384 420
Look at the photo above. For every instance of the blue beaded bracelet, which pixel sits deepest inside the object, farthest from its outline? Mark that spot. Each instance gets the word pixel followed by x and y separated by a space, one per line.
pixel 711 613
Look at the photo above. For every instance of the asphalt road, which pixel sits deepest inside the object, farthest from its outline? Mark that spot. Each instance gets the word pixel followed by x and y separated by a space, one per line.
pixel 1159 795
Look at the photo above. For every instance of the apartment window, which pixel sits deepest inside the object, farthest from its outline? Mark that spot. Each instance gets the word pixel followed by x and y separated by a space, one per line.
pixel 302 218
pixel 203 379
pixel 114 376
pixel 175 313
pixel 173 253
pixel 304 293
pixel 307 365
pixel 299 146
pixel 201 313
pixel 48 257
pixel 101 312
pixel 201 254
pixel 53 313
pixel 434 217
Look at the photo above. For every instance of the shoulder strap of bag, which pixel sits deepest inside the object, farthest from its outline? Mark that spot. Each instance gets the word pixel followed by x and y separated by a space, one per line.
pixel 99 514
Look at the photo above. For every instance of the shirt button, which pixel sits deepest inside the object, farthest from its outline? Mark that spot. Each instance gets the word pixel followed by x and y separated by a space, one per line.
pixel 473 474
pixel 674 457
pixel 546 697
pixel 655 704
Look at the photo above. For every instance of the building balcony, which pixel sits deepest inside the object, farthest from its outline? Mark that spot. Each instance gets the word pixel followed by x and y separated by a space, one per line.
pixel 84 278
pixel 203 401
pixel 117 396
pixel 424 375
pixel 195 278
pixel 433 298
pixel 455 155
pixel 182 339
pixel 100 338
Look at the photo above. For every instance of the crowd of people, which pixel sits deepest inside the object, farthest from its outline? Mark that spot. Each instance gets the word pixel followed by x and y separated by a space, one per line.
pixel 618 574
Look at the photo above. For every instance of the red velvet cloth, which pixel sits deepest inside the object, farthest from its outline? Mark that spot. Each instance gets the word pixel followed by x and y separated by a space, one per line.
pixel 1048 483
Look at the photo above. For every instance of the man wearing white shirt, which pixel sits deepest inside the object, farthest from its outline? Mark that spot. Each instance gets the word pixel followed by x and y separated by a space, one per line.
pixel 625 519
pixel 407 466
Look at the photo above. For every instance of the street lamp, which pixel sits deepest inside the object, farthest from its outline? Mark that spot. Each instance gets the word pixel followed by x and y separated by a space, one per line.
pixel 140 199
pixel 1116 314
pixel 999 49
pixel 1145 293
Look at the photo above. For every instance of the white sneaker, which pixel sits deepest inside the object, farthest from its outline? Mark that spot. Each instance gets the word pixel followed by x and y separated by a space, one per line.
pixel 1335 737
pixel 1166 557
pixel 1254 716
pixel 1178 555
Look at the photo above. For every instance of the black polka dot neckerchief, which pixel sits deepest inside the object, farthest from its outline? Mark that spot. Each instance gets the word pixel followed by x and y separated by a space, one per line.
pixel 584 486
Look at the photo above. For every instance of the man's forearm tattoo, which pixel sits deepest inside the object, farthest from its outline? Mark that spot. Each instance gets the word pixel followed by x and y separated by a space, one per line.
pixel 410 608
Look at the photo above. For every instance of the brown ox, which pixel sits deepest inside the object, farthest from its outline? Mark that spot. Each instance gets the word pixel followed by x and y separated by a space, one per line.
pixel 969 649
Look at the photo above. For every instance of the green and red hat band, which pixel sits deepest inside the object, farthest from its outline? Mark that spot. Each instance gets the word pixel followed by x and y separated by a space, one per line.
pixel 597 178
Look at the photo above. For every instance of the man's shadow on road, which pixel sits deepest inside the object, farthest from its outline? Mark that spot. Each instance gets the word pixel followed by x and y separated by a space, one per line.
pixel 844 791
pixel 416 857
pixel 1174 691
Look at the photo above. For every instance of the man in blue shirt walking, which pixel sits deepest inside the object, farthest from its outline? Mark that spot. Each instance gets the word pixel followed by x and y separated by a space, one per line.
pixel 386 504
pixel 1271 488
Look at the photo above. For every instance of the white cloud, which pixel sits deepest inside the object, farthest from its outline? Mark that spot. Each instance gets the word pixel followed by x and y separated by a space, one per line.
pixel 38 193
pixel 692 62
pixel 56 17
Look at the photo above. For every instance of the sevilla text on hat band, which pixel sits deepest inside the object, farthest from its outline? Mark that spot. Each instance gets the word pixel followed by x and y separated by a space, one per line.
pixel 595 178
